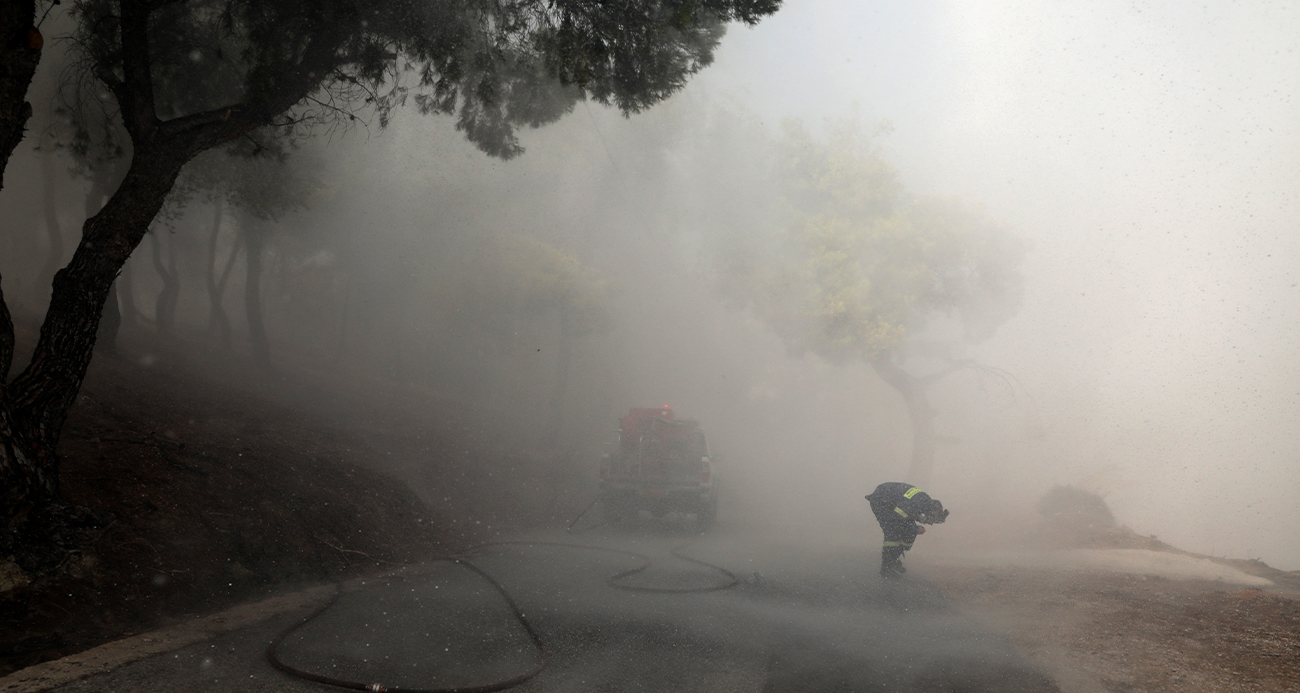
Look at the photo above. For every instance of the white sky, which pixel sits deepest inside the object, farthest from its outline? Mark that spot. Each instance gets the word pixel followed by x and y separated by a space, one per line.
pixel 1151 152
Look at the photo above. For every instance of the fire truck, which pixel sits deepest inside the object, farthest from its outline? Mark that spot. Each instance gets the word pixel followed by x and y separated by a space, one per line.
pixel 661 465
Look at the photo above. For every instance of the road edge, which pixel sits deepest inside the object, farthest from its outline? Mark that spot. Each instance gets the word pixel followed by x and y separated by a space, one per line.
pixel 109 656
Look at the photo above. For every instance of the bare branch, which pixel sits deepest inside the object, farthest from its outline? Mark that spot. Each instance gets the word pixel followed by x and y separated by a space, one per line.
pixel 135 93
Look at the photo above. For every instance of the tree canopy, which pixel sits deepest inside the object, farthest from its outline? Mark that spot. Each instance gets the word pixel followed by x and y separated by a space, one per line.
pixel 856 268
pixel 298 63
pixel 191 76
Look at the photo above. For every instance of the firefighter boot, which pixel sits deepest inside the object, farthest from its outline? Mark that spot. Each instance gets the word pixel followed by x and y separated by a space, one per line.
pixel 891 565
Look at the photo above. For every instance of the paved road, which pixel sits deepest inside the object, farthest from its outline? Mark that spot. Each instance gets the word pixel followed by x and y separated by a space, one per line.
pixel 804 618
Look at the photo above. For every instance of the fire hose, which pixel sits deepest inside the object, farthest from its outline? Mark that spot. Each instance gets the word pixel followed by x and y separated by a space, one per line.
pixel 272 650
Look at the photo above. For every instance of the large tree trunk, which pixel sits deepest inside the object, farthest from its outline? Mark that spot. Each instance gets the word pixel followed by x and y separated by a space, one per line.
pixel 35 405
pixel 20 51
pixel 109 323
pixel 111 319
pixel 919 412
pixel 125 292
pixel 6 346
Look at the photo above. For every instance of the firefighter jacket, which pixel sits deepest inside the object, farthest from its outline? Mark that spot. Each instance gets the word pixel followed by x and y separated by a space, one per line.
pixel 906 502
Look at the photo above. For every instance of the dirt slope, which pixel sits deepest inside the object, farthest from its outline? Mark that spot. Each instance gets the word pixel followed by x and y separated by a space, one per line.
pixel 1117 632
pixel 1123 612
pixel 216 482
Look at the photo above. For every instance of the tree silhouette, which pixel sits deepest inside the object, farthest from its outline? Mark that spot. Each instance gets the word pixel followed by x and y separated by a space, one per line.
pixel 20 51
pixel 856 268
pixel 295 65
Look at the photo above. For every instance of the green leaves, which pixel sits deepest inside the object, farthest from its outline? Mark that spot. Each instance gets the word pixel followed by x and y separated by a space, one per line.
pixel 497 66
pixel 855 266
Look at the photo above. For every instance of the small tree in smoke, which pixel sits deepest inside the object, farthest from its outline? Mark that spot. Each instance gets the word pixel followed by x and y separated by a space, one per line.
pixel 295 64
pixel 857 268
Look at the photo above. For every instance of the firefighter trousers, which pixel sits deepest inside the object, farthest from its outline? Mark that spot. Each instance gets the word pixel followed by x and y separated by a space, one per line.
pixel 899 532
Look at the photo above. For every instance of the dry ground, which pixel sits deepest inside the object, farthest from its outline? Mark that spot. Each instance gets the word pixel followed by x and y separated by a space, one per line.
pixel 1096 630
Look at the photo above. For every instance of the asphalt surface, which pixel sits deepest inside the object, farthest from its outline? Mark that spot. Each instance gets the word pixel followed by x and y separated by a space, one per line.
pixel 804 617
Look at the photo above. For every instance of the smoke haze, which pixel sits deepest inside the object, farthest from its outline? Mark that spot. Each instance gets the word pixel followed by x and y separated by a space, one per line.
pixel 1146 151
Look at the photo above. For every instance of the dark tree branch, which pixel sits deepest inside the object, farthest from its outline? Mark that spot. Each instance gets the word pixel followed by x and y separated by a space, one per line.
pixel 41 394
pixel 20 51
pixel 202 131
pixel 114 85
pixel 136 93
pixel 179 126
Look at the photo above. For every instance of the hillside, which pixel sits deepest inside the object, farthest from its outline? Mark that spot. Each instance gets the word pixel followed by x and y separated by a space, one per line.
pixel 213 482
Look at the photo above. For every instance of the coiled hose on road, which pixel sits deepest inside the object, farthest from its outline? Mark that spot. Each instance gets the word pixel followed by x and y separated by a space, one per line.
pixel 613 581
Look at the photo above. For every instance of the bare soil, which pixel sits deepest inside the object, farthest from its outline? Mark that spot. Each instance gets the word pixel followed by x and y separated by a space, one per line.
pixel 1095 631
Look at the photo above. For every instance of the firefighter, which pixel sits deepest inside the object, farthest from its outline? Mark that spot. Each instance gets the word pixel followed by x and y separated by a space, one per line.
pixel 899 507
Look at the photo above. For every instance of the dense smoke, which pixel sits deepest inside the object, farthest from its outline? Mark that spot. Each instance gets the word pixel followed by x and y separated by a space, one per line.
pixel 1147 165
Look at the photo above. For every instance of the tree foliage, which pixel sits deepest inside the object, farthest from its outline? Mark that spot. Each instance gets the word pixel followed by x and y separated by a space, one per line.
pixel 857 269
pixel 495 66
pixel 857 266
pixel 264 179
pixel 191 76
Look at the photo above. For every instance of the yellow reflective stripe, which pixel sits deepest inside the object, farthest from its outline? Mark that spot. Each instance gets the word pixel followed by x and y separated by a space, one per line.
pixel 900 511
pixel 911 492
pixel 893 543
pixel 905 545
